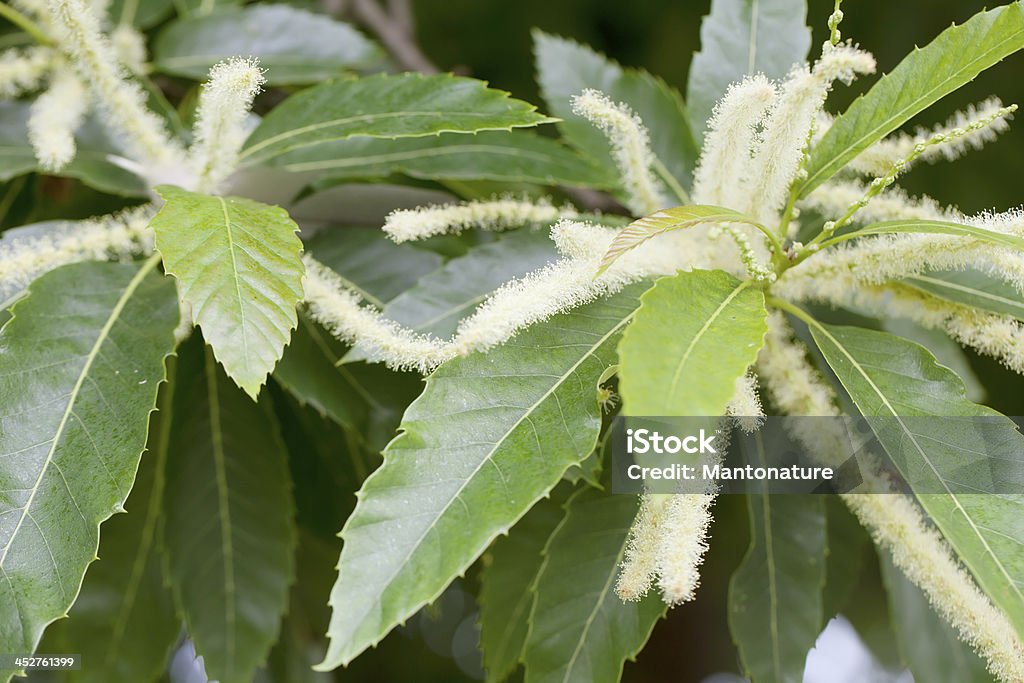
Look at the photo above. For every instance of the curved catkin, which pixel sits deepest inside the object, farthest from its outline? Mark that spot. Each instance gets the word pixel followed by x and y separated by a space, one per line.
pixel 631 148
pixel 502 213
pixel 56 115
pixel 220 129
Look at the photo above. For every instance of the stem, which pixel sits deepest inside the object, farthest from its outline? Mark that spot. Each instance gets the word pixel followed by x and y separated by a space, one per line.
pixel 394 33
pixel 24 23
pixel 793 310
pixel 666 177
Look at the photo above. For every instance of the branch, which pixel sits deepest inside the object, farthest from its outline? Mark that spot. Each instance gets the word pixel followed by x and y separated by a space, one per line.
pixel 395 31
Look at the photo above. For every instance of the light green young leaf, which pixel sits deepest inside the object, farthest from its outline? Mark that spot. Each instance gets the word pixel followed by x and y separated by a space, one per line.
pixel 566 68
pixel 517 156
pixel 667 220
pixel 889 377
pixel 927 644
pixel 922 227
pixel 507 584
pixel 741 38
pixel 385 106
pixel 239 267
pixel 580 630
pixel 694 334
pixel 971 288
pixel 124 623
pixel 293 45
pixel 775 596
pixel 446 490
pixel 228 519
pixel 80 363
pixel 924 76
pixel 91 165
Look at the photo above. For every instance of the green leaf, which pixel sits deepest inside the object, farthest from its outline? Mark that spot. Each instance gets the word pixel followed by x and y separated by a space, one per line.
pixel 200 8
pixel 935 228
pixel 385 106
pixel 580 630
pixel 889 377
pixel 776 608
pixel 517 156
pixel 924 76
pixel 80 363
pixel 124 624
pixel 667 220
pixel 446 488
pixel 292 44
pixel 741 38
pixel 566 68
pixel 928 645
pixel 92 163
pixel 228 530
pixel 694 334
pixel 437 303
pixel 511 568
pixel 371 264
pixel 238 266
pixel 368 400
pixel 945 350
pixel 971 288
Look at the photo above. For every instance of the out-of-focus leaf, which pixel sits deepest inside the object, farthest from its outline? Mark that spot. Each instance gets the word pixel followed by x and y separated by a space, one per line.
pixel 580 630
pixel 91 165
pixel 372 265
pixel 291 44
pixel 741 38
pixel 228 529
pixel 566 68
pixel 775 595
pixel 454 479
pixel 507 583
pixel 385 106
pixel 80 364
pixel 239 268
pixel 139 13
pixel 694 334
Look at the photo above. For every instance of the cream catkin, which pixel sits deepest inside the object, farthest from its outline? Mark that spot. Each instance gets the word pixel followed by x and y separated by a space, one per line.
pixel 23 70
pixel 631 149
pixel 120 236
pixel 834 198
pixel 56 115
pixel 640 563
pixel 220 120
pixel 788 126
pixel 503 213
pixel 121 100
pixel 893 520
pixel 722 173
pixel 745 407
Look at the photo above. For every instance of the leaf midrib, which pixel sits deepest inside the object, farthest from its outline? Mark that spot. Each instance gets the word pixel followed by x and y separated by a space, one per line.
pixel 102 337
pixel 700 334
pixel 927 460
pixel 490 455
